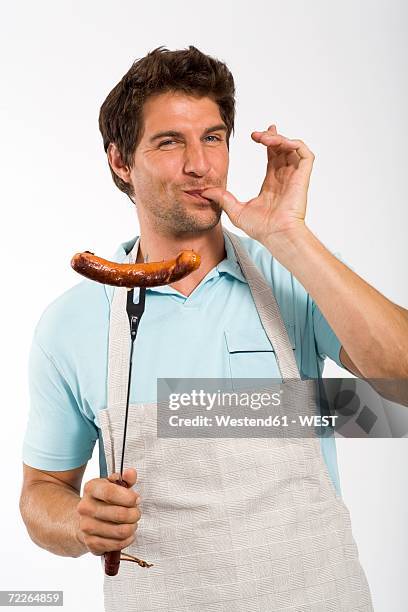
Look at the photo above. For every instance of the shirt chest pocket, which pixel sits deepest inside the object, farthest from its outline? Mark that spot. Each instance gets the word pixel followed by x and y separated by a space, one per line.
pixel 251 354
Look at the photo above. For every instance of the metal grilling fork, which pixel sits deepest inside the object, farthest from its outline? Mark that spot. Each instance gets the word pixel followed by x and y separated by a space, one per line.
pixel 134 312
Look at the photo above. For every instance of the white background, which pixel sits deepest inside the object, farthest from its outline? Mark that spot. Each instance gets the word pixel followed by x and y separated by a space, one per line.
pixel 331 73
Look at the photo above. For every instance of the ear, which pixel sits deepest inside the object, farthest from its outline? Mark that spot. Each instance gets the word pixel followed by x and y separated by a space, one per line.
pixel 116 163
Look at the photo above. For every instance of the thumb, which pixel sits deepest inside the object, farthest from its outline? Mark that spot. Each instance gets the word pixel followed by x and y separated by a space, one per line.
pixel 225 200
pixel 129 476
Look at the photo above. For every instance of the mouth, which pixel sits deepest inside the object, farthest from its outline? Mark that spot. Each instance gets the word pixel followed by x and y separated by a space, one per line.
pixel 196 195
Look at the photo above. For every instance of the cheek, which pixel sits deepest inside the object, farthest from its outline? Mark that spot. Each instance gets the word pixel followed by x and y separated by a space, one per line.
pixel 221 156
pixel 153 176
pixel 168 171
pixel 222 162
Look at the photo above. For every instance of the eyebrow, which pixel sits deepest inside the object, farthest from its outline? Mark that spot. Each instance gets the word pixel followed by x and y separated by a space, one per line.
pixel 175 134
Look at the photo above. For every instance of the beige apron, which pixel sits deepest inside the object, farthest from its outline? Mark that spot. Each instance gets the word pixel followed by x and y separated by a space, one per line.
pixel 230 524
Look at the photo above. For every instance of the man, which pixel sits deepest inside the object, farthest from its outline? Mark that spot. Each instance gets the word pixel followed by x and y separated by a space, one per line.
pixel 166 129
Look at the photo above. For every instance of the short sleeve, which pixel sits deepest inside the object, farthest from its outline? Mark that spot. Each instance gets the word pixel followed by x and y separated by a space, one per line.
pixel 58 435
pixel 327 343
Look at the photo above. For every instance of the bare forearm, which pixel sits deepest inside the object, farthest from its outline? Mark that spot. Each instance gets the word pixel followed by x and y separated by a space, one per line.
pixel 52 521
pixel 372 329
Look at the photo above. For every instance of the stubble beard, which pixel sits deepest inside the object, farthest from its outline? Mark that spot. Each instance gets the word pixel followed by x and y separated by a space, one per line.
pixel 178 220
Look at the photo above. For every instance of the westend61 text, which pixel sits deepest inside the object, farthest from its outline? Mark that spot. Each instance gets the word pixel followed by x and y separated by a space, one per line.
pixel 270 421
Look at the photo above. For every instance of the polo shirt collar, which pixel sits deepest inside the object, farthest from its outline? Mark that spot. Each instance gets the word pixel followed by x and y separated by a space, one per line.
pixel 229 265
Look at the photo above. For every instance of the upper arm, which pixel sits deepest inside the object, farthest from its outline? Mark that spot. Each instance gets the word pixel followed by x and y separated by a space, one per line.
pixel 71 478
pixel 327 342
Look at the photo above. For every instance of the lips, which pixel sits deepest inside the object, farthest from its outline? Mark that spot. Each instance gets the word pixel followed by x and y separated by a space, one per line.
pixel 196 194
pixel 194 191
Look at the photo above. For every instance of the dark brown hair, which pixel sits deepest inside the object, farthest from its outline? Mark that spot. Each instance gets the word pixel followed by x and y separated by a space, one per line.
pixel 187 70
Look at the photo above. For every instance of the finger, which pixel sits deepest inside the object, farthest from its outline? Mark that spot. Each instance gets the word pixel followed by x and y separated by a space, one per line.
pixel 117 514
pixel 225 200
pixel 294 163
pixel 99 546
pixel 271 131
pixel 281 144
pixel 102 529
pixel 110 493
pixel 106 512
pixel 276 144
pixel 271 152
pixel 275 141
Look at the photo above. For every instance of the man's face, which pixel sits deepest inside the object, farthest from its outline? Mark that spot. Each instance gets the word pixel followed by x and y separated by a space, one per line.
pixel 183 149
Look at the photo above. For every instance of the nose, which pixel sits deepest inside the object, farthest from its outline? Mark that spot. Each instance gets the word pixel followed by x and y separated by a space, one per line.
pixel 196 162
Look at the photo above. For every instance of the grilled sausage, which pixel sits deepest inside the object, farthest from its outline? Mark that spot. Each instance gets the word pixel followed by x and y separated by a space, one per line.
pixel 150 274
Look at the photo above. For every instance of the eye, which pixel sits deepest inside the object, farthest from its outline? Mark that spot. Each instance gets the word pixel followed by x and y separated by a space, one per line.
pixel 216 138
pixel 165 143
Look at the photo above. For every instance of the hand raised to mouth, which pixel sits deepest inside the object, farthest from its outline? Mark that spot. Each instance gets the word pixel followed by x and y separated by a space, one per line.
pixel 280 207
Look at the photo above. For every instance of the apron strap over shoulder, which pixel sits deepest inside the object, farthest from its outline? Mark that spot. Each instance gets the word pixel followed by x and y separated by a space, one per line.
pixel 268 311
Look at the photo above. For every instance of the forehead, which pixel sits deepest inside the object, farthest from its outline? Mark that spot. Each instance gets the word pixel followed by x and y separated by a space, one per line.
pixel 179 111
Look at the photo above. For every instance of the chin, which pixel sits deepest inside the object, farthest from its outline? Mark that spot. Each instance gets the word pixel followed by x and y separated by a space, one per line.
pixel 198 223
pixel 208 221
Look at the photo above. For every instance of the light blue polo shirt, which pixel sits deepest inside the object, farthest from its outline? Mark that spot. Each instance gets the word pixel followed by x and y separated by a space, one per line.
pixel 213 333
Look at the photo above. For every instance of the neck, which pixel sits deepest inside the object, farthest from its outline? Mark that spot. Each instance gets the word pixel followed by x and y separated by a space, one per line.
pixel 159 246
